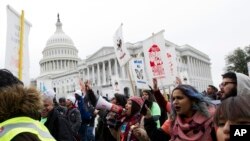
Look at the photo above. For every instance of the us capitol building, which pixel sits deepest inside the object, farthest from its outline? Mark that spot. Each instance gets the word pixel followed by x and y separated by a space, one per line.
pixel 61 68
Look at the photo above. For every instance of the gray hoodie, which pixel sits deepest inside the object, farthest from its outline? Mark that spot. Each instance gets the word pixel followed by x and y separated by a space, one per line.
pixel 243 84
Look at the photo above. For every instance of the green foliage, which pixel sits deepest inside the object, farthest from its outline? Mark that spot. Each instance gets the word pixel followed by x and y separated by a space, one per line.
pixel 237 61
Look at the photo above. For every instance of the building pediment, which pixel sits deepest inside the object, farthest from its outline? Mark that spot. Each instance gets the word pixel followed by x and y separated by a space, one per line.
pixel 101 52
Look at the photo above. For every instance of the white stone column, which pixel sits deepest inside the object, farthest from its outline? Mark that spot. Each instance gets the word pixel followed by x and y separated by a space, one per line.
pixel 54 65
pixel 98 75
pixel 205 69
pixel 88 72
pixel 209 71
pixel 202 74
pixel 103 73
pixel 55 62
pixel 206 72
pixel 85 75
pixel 199 68
pixel 51 66
pixel 110 71
pixel 93 73
pixel 123 72
pixel 200 62
pixel 116 68
pixel 42 67
pixel 192 66
pixel 189 66
pixel 61 64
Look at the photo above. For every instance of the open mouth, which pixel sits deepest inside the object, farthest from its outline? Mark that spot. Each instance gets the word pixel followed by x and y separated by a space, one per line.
pixel 177 108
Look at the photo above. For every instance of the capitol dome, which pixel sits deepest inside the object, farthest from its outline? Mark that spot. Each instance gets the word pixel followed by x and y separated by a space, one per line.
pixel 59 37
pixel 60 54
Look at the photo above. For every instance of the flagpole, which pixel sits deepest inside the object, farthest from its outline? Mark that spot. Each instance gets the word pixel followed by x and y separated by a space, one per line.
pixel 20 66
pixel 130 78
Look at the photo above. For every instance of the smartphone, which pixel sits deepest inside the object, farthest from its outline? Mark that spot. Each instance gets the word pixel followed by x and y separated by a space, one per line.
pixel 144 109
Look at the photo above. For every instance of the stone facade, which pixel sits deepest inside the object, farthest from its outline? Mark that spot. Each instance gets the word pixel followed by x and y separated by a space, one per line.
pixel 61 68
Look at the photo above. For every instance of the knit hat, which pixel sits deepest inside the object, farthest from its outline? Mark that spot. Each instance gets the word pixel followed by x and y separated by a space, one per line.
pixel 137 100
pixel 78 92
pixel 71 98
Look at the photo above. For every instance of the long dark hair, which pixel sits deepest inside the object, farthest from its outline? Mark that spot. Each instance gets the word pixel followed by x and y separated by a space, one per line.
pixel 120 99
pixel 135 108
pixel 151 97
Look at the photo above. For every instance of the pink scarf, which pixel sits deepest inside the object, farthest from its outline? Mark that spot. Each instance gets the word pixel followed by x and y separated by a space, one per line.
pixel 197 128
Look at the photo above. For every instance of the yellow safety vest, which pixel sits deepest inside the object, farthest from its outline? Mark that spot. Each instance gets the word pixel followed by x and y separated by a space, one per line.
pixel 14 126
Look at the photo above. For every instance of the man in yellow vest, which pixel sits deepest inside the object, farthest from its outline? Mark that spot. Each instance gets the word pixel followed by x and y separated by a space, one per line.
pixel 19 111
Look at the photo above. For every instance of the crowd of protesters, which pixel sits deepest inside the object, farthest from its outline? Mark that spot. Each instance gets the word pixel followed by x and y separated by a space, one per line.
pixel 188 115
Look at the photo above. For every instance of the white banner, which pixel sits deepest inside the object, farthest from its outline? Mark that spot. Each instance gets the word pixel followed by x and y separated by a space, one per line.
pixel 155 59
pixel 139 73
pixel 121 51
pixel 12 45
pixel 171 65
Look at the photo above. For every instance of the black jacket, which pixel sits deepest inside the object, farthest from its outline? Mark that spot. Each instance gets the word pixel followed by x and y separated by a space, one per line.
pixel 58 126
pixel 154 133
pixel 102 132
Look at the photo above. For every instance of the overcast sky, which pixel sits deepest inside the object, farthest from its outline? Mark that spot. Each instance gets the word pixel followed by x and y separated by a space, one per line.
pixel 215 27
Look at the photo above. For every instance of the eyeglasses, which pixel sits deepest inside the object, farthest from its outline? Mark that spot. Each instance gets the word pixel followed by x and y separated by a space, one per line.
pixel 223 84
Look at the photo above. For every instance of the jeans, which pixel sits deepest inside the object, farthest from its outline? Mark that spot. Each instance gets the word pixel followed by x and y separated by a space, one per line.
pixel 86 133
